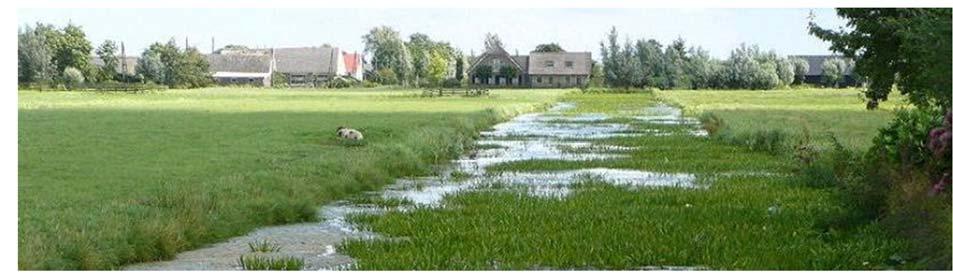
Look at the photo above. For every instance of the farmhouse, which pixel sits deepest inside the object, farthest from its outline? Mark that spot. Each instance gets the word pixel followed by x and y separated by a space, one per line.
pixel 815 70
pixel 309 66
pixel 241 69
pixel 125 66
pixel 552 69
pixel 300 66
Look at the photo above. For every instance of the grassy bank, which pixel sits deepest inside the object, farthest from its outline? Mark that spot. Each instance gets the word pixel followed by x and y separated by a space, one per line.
pixel 749 215
pixel 109 179
pixel 840 112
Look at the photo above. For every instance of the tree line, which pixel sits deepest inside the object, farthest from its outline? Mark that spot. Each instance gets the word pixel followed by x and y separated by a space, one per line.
pixel 419 61
pixel 52 56
pixel 61 56
pixel 645 63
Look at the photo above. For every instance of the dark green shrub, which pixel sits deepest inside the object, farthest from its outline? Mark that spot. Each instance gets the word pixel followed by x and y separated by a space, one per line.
pixel 711 123
pixel 450 83
pixel 341 83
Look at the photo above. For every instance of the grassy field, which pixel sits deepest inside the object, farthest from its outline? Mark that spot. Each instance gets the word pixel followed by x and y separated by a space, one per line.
pixel 109 179
pixel 840 112
pixel 740 220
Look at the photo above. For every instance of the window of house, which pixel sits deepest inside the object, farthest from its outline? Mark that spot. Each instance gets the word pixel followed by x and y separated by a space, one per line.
pixel 550 80
pixel 568 64
pixel 579 80
pixel 550 63
pixel 567 79
pixel 539 79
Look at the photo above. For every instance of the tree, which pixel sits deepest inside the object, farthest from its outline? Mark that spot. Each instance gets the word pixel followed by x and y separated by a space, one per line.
pixel 420 47
pixel 278 80
pixel 107 53
pixel 436 68
pixel 620 62
pixel 492 42
pixel 192 70
pixel 72 76
pixel 750 68
pixel 69 46
pixel 462 65
pixel 509 72
pixel 548 48
pixel 652 63
pixel 785 71
pixel 800 69
pixel 384 45
pixel 34 57
pixel 179 68
pixel 675 63
pixel 386 76
pixel 906 47
pixel 832 70
pixel 483 72
pixel 698 67
pixel 597 78
pixel 150 67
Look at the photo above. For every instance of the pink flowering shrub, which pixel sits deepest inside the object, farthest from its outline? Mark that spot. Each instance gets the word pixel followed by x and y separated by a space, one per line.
pixel 939 142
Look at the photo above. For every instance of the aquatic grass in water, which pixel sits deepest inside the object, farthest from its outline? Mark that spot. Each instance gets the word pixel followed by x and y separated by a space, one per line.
pixel 262 262
pixel 746 217
pixel 264 246
pixel 599 226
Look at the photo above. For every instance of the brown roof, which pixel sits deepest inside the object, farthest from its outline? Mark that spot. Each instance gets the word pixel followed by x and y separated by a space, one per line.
pixel 522 61
pixel 238 63
pixel 130 61
pixel 496 53
pixel 581 63
pixel 317 60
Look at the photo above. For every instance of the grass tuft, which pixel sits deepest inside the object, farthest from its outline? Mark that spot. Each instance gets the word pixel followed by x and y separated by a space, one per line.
pixel 264 246
pixel 260 262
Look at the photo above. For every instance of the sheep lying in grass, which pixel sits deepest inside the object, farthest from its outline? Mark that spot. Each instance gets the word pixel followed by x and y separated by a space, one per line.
pixel 348 133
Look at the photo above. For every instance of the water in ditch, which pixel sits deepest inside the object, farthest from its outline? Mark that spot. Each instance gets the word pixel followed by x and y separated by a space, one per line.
pixel 552 135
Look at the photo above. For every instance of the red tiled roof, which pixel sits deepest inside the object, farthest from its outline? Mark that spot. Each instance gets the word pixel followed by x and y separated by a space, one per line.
pixel 351 61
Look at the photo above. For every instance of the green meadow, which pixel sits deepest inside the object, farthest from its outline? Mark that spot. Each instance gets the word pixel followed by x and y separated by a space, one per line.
pixel 818 113
pixel 749 213
pixel 107 179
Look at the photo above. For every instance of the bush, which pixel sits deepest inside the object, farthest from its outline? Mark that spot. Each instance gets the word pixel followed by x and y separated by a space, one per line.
pixel 278 80
pixel 369 84
pixel 97 87
pixel 341 82
pixel 72 76
pixel 590 90
pixel 893 182
pixel 450 83
pixel 386 76
pixel 711 123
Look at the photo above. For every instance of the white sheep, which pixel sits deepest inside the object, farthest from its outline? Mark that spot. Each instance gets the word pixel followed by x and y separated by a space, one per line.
pixel 348 133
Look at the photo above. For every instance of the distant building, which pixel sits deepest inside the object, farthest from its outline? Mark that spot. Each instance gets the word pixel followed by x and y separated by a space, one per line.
pixel 538 70
pixel 815 69
pixel 300 66
pixel 241 69
pixel 309 66
pixel 354 65
pixel 129 62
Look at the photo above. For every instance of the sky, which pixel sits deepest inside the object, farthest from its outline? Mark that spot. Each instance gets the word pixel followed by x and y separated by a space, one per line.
pixel 716 30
